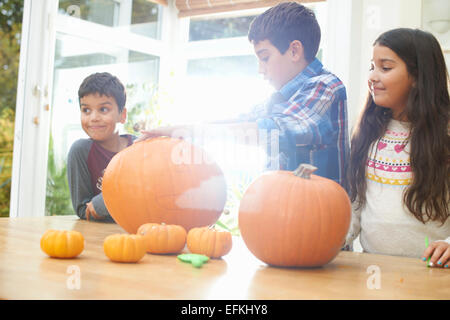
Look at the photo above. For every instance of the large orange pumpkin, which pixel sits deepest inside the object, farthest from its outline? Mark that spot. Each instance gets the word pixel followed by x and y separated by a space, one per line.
pixel 294 218
pixel 163 180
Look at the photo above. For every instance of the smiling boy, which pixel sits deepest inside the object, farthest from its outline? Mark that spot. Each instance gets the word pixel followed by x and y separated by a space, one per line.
pixel 102 100
pixel 308 111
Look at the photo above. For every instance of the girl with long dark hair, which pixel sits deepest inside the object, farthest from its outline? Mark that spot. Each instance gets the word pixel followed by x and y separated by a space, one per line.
pixel 398 174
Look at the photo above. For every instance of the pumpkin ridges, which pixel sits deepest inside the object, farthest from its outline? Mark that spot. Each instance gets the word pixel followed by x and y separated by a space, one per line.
pixel 116 252
pixel 329 216
pixel 292 230
pixel 219 244
pixel 62 243
pixel 159 207
pixel 202 244
pixel 129 248
pixel 180 238
pixel 163 239
pixel 340 224
pixel 69 242
pixel 210 242
pixel 318 235
pixel 77 242
pixel 124 247
pixel 288 233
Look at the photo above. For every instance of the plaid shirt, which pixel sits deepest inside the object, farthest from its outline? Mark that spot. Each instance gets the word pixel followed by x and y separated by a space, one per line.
pixel 308 120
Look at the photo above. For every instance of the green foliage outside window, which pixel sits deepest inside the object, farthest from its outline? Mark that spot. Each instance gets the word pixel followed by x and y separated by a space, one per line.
pixel 11 12
pixel 6 148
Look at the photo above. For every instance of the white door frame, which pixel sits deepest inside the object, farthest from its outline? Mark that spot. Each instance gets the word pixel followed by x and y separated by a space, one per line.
pixel 32 123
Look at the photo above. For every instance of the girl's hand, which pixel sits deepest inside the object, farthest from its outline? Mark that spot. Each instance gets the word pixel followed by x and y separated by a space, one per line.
pixel 439 252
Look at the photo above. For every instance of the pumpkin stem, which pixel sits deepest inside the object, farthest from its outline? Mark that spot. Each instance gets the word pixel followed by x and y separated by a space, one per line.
pixel 304 171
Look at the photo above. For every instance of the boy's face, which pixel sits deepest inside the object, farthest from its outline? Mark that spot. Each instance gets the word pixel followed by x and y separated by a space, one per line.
pixel 99 115
pixel 278 68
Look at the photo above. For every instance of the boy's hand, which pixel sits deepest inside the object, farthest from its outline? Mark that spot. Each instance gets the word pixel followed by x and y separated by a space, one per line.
pixel 439 254
pixel 148 135
pixel 90 212
pixel 177 131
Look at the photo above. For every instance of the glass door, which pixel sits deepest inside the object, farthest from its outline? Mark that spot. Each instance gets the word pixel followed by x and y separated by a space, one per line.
pixel 62 43
pixel 97 36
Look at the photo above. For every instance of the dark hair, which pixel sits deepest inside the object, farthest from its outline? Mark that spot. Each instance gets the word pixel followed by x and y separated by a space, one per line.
pixel 427 110
pixel 106 84
pixel 284 23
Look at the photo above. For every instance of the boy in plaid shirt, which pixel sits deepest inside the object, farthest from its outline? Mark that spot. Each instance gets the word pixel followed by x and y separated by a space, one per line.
pixel 308 111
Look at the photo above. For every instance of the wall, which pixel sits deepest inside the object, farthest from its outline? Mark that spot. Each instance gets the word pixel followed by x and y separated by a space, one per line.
pixel 378 17
pixel 353 25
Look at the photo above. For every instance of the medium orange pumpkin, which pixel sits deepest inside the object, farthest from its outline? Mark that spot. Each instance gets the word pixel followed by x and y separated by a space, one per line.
pixel 62 243
pixel 124 247
pixel 209 242
pixel 162 238
pixel 294 218
pixel 163 180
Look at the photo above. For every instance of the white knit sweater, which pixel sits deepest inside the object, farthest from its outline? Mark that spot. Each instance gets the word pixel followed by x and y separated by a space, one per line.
pixel 384 224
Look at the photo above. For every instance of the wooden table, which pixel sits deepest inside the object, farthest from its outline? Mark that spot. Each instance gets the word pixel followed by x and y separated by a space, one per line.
pixel 28 273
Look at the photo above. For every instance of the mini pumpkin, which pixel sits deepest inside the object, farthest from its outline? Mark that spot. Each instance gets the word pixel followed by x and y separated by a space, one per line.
pixel 209 241
pixel 124 247
pixel 294 219
pixel 163 238
pixel 62 243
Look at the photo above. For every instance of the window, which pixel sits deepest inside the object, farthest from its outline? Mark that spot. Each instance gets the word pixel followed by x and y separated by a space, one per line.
pixel 86 43
pixel 137 16
pixel 204 68
pixel 218 28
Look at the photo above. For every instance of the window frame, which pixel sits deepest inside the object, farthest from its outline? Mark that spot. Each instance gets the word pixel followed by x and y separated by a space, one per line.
pixel 42 22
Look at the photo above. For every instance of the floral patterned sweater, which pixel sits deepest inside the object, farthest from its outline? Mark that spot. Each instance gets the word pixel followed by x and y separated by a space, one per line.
pixel 384 224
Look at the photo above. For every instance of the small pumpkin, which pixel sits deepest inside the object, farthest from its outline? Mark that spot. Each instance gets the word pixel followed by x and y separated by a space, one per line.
pixel 124 247
pixel 209 242
pixel 163 238
pixel 62 243
pixel 294 218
